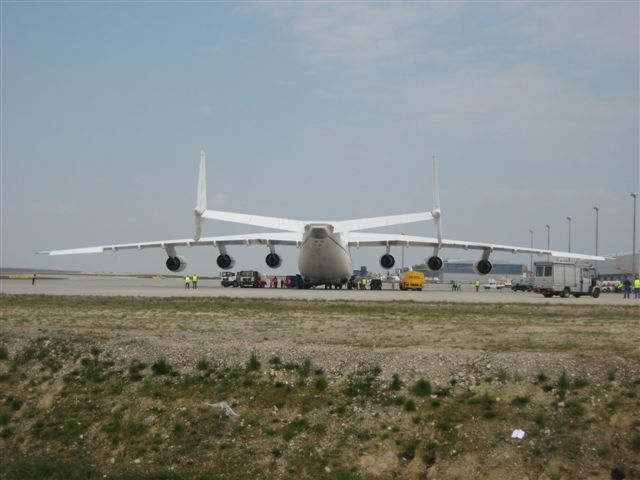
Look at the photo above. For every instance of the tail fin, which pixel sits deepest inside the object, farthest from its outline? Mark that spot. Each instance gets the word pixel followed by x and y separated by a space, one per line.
pixel 436 212
pixel 201 198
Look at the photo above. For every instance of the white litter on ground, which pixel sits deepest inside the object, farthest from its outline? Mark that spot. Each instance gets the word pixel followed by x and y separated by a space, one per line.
pixel 224 406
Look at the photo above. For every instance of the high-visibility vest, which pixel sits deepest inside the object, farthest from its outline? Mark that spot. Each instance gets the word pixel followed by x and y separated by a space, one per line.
pixel 195 278
pixel 187 279
pixel 636 283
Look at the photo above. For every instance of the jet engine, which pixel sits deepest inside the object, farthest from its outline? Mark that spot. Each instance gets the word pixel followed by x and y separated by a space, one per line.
pixel 387 261
pixel 225 261
pixel 176 264
pixel 273 260
pixel 434 263
pixel 483 267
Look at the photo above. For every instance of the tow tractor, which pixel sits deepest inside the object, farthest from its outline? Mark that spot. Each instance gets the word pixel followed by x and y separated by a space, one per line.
pixel 228 279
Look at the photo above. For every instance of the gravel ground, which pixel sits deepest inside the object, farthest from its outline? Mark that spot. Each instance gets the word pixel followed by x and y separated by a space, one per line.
pixel 497 348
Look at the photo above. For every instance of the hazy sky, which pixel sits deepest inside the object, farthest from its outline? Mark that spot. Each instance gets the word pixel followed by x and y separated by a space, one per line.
pixel 314 111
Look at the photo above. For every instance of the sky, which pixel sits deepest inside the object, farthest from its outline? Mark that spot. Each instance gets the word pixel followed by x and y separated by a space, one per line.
pixel 313 110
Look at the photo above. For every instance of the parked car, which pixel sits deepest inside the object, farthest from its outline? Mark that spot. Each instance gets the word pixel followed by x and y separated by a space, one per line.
pixel 524 286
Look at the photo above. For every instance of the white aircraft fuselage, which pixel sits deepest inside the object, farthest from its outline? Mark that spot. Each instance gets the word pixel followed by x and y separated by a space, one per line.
pixel 324 256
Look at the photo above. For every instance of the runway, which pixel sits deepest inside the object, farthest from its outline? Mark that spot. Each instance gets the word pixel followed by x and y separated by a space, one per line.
pixel 95 285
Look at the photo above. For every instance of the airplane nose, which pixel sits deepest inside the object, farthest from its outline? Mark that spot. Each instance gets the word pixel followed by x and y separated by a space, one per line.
pixel 319 232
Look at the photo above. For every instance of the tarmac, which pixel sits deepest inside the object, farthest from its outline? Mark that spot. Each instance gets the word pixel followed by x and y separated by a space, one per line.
pixel 131 286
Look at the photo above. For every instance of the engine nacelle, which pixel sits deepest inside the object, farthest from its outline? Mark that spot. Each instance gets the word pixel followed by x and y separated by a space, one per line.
pixel 225 261
pixel 273 260
pixel 176 264
pixel 387 261
pixel 434 263
pixel 483 267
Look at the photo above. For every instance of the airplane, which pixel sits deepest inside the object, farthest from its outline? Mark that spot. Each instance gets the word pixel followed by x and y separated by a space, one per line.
pixel 324 246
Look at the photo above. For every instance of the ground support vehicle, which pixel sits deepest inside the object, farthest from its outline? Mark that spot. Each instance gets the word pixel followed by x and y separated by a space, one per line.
pixel 375 284
pixel 412 281
pixel 524 286
pixel 566 278
pixel 228 279
pixel 293 281
pixel 250 278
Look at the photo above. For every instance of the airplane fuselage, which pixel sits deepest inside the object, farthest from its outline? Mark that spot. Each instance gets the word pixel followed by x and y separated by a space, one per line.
pixel 324 256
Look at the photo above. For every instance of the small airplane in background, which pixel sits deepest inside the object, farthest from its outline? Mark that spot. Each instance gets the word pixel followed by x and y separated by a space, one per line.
pixel 324 246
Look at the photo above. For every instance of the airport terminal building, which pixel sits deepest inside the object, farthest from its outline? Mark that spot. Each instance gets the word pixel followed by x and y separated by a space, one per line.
pixel 618 268
pixel 463 271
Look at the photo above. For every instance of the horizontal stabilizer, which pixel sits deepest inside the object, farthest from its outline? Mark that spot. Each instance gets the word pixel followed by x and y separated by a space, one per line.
pixel 377 222
pixel 256 220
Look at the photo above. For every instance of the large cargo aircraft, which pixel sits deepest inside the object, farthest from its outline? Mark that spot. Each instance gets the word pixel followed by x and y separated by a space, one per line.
pixel 324 246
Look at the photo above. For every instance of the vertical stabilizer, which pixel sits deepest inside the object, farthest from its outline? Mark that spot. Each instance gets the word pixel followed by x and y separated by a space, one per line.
pixel 201 197
pixel 437 214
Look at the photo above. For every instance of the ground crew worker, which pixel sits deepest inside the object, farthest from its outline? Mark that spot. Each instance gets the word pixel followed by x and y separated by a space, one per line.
pixel 194 280
pixel 33 278
pixel 636 287
pixel 477 285
pixel 627 287
pixel 187 282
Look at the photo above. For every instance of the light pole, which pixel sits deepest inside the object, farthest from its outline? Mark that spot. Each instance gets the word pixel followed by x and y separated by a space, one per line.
pixel 569 218
pixel 531 256
pixel 402 254
pixel 597 209
pixel 548 238
pixel 633 255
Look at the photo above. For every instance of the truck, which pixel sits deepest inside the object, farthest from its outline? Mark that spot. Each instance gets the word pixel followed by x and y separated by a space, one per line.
pixel 228 279
pixel 412 281
pixel 250 278
pixel 566 278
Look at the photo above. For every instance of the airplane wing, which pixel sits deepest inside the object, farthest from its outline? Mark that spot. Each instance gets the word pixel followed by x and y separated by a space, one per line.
pixel 279 238
pixel 357 239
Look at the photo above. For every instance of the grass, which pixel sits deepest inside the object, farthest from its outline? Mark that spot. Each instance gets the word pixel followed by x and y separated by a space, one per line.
pixel 161 367
pixel 520 401
pixel 362 383
pixel 396 383
pixel 253 365
pixel 421 388
pixel 320 428
pixel 322 383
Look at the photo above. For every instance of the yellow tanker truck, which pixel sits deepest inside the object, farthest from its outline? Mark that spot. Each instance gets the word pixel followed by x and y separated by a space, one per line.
pixel 412 281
